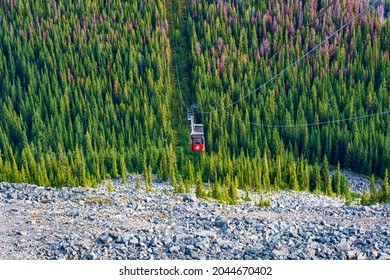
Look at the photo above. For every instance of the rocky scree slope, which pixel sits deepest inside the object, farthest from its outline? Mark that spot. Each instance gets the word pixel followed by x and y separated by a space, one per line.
pixel 128 223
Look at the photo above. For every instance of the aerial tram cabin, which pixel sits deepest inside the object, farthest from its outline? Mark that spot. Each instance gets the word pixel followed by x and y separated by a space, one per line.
pixel 197 140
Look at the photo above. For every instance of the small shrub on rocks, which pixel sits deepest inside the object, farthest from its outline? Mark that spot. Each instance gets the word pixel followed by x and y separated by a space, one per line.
pixel 110 187
pixel 263 203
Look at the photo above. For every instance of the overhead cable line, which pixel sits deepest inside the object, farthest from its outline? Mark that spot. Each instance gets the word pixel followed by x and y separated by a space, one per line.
pixel 302 125
pixel 319 16
pixel 294 63
pixel 311 124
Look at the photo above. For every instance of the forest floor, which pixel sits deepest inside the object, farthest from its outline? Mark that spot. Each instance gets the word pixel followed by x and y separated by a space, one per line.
pixel 129 223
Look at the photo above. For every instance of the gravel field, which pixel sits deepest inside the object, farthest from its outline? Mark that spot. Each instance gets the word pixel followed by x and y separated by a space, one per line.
pixel 128 223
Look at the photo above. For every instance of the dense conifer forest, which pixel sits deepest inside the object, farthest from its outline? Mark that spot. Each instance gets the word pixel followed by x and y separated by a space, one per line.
pixel 95 89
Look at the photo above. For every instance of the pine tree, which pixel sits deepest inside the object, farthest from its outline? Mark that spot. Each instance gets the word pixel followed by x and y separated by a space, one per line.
pixel 293 177
pixel 365 200
pixel 344 186
pixel 217 191
pixel 15 176
pixel 336 180
pixel 200 190
pixel 373 194
pixel 43 179
pixel 317 179
pixel 326 176
pixel 225 194
pixel 138 182
pixel 163 170
pixel 123 169
pixel 1 167
pixel 187 187
pixel 233 191
pixel 191 172
pixel 114 171
pixel 306 179
pixel 266 176
pixel 303 175
pixel 79 167
pixel 149 183
pixel 181 187
pixel 172 166
pixel 7 171
pixel 110 186
pixel 278 178
pixel 385 188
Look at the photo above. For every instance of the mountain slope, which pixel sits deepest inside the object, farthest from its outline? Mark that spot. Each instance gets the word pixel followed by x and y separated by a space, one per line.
pixel 89 91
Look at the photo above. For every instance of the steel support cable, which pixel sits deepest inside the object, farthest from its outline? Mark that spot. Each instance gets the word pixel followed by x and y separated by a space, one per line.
pixel 294 63
pixel 311 124
pixel 302 125
pixel 319 16
pixel 306 124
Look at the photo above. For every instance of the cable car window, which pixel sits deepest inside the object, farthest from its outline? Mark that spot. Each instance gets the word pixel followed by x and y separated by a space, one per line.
pixel 197 141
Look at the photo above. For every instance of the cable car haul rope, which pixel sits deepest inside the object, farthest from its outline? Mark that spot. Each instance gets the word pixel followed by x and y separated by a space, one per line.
pixel 294 63
pixel 197 134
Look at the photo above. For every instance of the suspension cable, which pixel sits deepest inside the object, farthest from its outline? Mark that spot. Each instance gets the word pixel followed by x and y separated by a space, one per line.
pixel 294 63
pixel 319 16
pixel 310 124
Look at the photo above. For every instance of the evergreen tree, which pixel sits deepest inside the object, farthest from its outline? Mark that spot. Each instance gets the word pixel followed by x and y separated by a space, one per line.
pixel 306 179
pixel 172 166
pixel 266 175
pixel 317 179
pixel 294 179
pixel 373 194
pixel 216 191
pixel 149 183
pixel 163 170
pixel 233 191
pixel 365 199
pixel 138 182
pixel 200 190
pixel 123 170
pixel 278 179
pixel 191 174
pixel 344 186
pixel 336 180
pixel 326 175
pixel 181 187
pixel 225 194
pixel 385 188
pixel 1 167
pixel 114 171
pixel 110 186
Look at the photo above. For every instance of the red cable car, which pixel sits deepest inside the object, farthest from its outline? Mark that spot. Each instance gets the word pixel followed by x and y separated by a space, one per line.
pixel 196 132
pixel 197 138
